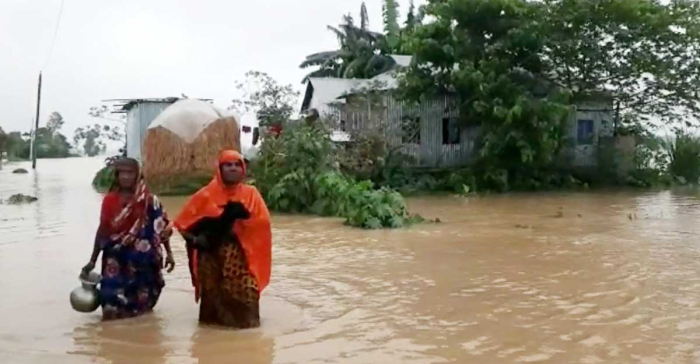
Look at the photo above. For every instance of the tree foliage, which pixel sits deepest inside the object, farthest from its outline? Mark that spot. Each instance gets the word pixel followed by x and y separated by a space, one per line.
pixel 517 68
pixel 487 53
pixel 683 153
pixel 15 144
pixel 392 30
pixel 411 19
pixel 297 172
pixel 644 53
pixel 4 141
pixel 55 123
pixel 362 53
pixel 94 138
pixel 263 95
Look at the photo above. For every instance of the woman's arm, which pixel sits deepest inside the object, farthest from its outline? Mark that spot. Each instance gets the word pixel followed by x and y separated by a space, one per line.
pixel 96 248
pixel 169 259
pixel 106 212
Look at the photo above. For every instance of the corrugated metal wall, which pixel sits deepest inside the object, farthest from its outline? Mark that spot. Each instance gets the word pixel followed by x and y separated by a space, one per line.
pixel 428 150
pixel 137 121
pixel 387 118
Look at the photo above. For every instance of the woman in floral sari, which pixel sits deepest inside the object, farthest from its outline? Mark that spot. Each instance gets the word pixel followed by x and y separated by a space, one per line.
pixel 227 228
pixel 132 233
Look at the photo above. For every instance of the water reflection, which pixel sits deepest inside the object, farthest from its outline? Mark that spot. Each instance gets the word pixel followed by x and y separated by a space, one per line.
pixel 212 345
pixel 139 340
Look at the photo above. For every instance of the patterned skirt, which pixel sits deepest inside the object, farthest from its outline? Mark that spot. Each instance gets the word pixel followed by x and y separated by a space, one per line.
pixel 228 292
pixel 131 281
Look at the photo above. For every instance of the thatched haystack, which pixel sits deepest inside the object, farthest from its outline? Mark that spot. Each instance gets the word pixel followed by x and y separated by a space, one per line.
pixel 182 144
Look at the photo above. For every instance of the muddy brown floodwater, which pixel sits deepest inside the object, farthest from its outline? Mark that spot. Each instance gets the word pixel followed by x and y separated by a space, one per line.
pixel 604 277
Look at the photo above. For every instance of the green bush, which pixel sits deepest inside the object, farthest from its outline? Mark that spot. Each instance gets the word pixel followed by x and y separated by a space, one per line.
pixel 104 178
pixel 684 156
pixel 651 163
pixel 181 186
pixel 299 172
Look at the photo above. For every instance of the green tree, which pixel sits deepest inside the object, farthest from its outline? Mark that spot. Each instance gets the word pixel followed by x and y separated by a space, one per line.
pixel 50 143
pixel 488 53
pixel 17 145
pixel 362 53
pixel 93 138
pixel 411 19
pixel 392 31
pixel 108 131
pixel 644 53
pixel 271 102
pixel 4 139
pixel 55 123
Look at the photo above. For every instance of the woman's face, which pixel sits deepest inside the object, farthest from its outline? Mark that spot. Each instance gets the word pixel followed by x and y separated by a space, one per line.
pixel 232 172
pixel 126 178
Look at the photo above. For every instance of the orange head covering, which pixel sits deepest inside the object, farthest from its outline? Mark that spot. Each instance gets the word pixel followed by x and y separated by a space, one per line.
pixel 254 233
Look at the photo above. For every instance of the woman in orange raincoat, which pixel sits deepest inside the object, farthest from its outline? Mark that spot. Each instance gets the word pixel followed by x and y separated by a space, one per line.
pixel 226 226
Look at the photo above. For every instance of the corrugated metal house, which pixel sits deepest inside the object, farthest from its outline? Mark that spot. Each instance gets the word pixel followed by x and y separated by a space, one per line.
pixel 140 113
pixel 431 132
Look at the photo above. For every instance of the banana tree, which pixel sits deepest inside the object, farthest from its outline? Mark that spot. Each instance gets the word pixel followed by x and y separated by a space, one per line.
pixel 362 53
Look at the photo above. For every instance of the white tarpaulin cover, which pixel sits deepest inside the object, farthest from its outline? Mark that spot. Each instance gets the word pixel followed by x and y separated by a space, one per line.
pixel 187 118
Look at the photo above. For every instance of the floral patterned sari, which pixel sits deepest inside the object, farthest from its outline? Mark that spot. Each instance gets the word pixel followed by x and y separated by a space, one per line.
pixel 132 255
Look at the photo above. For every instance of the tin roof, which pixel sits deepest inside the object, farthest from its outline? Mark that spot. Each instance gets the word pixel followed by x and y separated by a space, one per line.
pixel 124 105
pixel 323 91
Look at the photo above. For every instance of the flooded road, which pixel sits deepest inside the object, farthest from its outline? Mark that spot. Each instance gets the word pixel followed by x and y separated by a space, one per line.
pixel 605 277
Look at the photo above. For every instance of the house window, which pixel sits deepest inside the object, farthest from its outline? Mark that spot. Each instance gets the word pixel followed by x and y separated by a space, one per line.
pixel 410 127
pixel 343 126
pixel 256 135
pixel 584 134
pixel 450 131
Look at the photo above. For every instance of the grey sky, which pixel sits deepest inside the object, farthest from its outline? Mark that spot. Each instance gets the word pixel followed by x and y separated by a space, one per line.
pixel 154 48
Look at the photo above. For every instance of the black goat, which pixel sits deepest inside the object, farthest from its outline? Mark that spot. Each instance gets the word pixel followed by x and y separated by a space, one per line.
pixel 218 230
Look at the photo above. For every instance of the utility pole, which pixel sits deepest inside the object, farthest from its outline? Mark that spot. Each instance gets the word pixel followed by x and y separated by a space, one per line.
pixel 36 126
pixel 31 138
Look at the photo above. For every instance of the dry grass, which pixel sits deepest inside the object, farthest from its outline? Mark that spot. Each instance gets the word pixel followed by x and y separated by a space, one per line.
pixel 170 162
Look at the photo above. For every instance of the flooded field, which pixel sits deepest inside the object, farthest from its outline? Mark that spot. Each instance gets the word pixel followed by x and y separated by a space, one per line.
pixel 604 277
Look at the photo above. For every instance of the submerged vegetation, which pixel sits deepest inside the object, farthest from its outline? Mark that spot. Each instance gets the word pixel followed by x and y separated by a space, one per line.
pixel 19 199
pixel 298 171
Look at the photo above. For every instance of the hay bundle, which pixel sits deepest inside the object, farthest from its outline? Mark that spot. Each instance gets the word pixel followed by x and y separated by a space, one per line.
pixel 182 145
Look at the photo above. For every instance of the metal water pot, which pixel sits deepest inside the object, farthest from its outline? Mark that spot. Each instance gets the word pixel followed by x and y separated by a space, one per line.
pixel 86 298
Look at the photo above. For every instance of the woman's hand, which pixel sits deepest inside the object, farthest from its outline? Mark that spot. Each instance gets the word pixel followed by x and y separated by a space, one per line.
pixel 169 263
pixel 87 269
pixel 167 232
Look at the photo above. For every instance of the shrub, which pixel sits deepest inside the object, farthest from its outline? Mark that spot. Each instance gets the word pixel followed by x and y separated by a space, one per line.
pixel 684 156
pixel 298 171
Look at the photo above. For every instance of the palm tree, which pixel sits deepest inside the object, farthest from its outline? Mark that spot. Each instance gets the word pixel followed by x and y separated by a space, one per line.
pixel 362 54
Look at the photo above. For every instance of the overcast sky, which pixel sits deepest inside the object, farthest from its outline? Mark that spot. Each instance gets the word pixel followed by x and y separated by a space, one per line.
pixel 154 48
